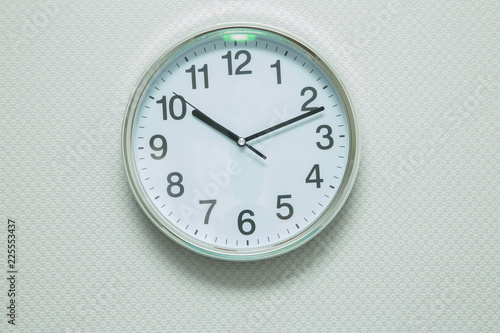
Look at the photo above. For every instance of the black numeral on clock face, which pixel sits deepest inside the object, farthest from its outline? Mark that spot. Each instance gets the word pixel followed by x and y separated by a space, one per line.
pixel 161 148
pixel 288 206
pixel 244 223
pixel 203 70
pixel 175 188
pixel 239 69
pixel 172 105
pixel 327 136
pixel 305 106
pixel 212 204
pixel 314 173
pixel 277 65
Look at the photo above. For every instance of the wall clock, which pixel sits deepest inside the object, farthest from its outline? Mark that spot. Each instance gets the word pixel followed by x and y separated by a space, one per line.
pixel 240 143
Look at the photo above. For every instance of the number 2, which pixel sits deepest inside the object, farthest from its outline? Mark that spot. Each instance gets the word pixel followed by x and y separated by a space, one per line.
pixel 305 106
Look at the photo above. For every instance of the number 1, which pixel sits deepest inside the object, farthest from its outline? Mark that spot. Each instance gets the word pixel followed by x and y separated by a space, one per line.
pixel 278 70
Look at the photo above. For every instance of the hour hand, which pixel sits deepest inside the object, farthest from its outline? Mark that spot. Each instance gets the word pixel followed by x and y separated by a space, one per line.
pixel 216 126
pixel 240 141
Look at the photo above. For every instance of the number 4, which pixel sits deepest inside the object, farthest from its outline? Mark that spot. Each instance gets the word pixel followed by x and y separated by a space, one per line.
pixel 314 172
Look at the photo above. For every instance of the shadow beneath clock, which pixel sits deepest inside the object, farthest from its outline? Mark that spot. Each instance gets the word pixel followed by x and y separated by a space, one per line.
pixel 297 266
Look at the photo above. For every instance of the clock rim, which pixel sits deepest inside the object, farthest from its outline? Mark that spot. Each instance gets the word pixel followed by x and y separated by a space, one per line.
pixel 237 254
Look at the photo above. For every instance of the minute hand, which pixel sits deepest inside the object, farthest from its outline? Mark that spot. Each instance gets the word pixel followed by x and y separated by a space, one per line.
pixel 283 124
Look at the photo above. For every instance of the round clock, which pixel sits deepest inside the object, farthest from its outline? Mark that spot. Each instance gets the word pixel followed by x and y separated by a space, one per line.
pixel 240 143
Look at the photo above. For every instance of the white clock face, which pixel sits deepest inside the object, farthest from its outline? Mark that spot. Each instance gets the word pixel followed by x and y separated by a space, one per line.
pixel 239 144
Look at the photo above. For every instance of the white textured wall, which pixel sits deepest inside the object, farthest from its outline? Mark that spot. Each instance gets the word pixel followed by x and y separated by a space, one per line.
pixel 416 247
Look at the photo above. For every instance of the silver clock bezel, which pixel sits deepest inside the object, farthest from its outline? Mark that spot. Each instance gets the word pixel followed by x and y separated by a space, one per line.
pixel 234 254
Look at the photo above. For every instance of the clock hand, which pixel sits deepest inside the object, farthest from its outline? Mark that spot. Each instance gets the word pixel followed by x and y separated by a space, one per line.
pixel 221 129
pixel 218 127
pixel 215 125
pixel 283 124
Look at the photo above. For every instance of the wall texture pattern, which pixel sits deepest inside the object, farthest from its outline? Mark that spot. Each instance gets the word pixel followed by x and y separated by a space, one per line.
pixel 415 248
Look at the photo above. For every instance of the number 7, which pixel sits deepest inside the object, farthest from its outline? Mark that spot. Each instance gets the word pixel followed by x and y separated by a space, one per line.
pixel 212 204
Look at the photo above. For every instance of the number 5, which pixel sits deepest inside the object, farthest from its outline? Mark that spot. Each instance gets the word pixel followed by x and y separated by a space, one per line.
pixel 287 205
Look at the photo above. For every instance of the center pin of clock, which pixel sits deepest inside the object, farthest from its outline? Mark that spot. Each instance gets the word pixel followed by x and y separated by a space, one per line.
pixel 241 142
